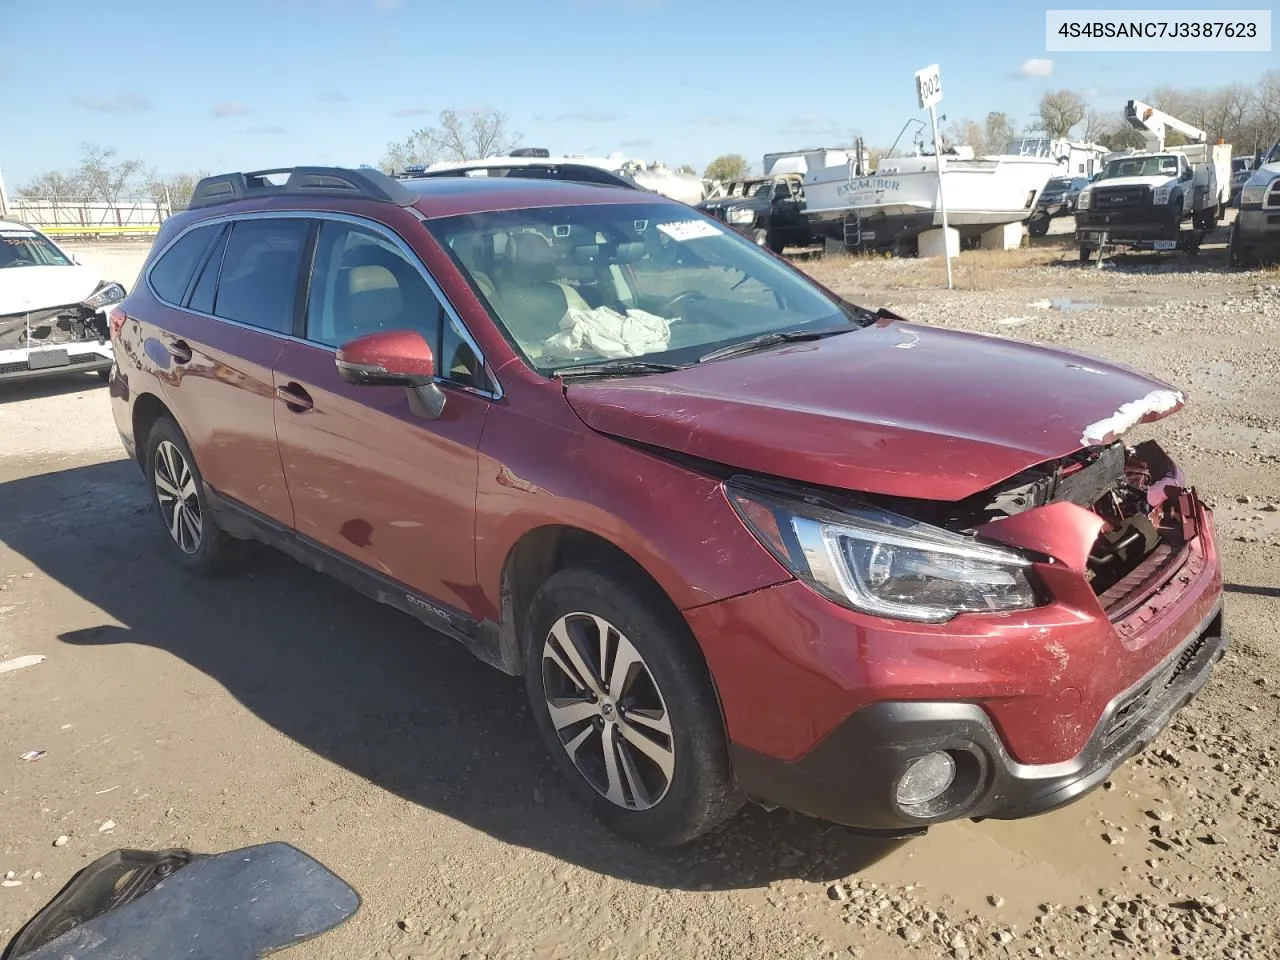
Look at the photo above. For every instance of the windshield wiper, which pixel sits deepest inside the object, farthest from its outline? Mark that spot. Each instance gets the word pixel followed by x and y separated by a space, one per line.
pixel 772 340
pixel 620 365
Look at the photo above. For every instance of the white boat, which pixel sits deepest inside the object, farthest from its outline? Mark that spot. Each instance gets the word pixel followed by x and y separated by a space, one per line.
pixel 656 177
pixel 892 206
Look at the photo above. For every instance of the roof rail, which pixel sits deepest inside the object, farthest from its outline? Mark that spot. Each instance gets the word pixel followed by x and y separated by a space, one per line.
pixel 367 184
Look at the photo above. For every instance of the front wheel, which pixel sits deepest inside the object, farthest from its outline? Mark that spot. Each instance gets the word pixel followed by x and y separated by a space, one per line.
pixel 626 708
pixel 1085 252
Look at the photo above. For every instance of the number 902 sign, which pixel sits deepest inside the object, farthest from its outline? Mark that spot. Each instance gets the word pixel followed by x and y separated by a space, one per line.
pixel 929 86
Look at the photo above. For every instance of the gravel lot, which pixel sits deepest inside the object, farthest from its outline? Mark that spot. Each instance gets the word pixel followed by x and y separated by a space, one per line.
pixel 274 705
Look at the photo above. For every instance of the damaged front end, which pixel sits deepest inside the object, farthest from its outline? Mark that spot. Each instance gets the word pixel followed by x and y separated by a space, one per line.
pixel 1120 518
pixel 69 336
pixel 1135 521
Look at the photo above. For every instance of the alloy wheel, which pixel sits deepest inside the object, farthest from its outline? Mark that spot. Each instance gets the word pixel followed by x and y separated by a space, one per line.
pixel 175 484
pixel 607 710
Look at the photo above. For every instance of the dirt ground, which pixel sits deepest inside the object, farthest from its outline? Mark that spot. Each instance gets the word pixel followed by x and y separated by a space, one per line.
pixel 277 705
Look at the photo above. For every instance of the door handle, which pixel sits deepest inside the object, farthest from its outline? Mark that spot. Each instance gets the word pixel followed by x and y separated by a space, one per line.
pixel 294 397
pixel 179 350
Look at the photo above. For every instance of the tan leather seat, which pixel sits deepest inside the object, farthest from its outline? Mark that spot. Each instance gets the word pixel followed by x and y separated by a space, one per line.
pixel 533 302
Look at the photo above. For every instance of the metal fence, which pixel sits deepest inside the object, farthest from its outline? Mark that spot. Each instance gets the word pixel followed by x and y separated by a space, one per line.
pixel 90 218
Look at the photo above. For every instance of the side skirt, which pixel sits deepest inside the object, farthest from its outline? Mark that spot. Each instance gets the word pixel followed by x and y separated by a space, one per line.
pixel 483 639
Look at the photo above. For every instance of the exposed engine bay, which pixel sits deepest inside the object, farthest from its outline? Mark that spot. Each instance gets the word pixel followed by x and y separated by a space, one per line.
pixel 1148 517
pixel 54 326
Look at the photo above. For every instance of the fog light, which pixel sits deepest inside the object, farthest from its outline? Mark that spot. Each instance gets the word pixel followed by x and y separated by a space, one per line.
pixel 926 779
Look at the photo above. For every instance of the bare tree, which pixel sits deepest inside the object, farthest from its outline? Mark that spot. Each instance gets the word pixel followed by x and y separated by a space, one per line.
pixel 999 130
pixel 60 184
pixel 105 178
pixel 458 135
pixel 1095 125
pixel 728 166
pixel 176 188
pixel 1060 111
pixel 963 132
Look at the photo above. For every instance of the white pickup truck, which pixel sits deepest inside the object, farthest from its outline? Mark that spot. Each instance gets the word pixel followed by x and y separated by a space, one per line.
pixel 1143 199
pixel 1155 201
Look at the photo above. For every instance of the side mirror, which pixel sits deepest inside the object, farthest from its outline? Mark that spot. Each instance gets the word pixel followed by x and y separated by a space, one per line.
pixel 394 358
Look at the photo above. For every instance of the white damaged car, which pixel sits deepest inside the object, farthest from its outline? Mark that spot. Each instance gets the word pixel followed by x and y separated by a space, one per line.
pixel 53 309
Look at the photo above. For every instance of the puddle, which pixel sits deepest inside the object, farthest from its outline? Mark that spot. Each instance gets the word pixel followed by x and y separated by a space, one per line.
pixel 1069 305
pixel 1066 304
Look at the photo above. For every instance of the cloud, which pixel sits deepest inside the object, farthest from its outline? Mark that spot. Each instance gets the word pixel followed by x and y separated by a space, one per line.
pixel 717 119
pixel 231 108
pixel 410 112
pixel 332 96
pixel 583 116
pixel 636 143
pixel 124 101
pixel 266 131
pixel 1035 67
pixel 808 123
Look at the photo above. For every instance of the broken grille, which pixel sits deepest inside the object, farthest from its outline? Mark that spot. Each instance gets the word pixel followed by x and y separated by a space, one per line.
pixel 1147 697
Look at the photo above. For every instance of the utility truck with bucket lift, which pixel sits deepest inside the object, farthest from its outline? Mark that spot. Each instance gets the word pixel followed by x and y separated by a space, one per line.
pixel 1158 198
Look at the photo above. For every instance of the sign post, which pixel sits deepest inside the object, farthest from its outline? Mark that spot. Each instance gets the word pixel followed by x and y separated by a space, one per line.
pixel 929 93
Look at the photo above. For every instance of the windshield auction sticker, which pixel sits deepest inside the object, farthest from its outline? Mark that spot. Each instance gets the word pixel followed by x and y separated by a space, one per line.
pixel 688 230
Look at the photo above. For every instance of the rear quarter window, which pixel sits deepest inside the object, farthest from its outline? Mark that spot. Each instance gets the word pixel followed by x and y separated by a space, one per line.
pixel 172 272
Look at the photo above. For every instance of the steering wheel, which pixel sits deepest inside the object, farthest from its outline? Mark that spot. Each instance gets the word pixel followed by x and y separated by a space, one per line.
pixel 681 297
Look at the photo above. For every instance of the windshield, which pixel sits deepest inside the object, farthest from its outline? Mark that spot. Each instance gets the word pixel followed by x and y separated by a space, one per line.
pixel 581 284
pixel 1058 183
pixel 1162 166
pixel 25 248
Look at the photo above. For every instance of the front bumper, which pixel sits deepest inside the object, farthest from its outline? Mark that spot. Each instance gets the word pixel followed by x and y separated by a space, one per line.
pixel 1258 227
pixel 852 775
pixel 54 361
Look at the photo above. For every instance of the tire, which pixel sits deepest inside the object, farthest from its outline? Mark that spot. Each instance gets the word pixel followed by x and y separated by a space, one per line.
pixel 1038 226
pixel 1238 255
pixel 195 540
pixel 774 243
pixel 1085 252
pixel 104 375
pixel 670 790
pixel 761 237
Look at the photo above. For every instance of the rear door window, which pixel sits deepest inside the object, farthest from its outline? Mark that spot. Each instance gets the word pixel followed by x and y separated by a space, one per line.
pixel 202 294
pixel 172 273
pixel 258 283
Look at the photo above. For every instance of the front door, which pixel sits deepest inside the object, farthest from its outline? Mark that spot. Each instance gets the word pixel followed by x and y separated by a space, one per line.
pixel 370 478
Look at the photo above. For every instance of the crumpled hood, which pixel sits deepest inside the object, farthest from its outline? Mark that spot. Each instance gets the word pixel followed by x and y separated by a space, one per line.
pixel 898 408
pixel 37 288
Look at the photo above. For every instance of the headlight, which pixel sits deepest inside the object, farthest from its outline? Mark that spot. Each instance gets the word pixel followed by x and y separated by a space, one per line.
pixel 742 215
pixel 1160 195
pixel 884 564
pixel 1254 191
pixel 106 294
pixel 1082 201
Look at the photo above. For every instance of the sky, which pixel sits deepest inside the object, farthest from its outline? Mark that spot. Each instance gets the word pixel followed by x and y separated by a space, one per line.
pixel 223 85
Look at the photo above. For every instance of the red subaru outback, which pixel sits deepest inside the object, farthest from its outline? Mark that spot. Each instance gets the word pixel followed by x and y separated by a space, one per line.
pixel 742 538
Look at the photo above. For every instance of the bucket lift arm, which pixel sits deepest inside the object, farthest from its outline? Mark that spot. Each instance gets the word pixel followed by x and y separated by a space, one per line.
pixel 1154 125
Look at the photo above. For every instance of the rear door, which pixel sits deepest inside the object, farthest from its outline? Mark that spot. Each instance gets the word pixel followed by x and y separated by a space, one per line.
pixel 369 478
pixel 220 340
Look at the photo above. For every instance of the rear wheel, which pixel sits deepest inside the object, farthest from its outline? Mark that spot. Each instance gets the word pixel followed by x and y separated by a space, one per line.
pixel 1038 225
pixel 195 540
pixel 1085 252
pixel 626 707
